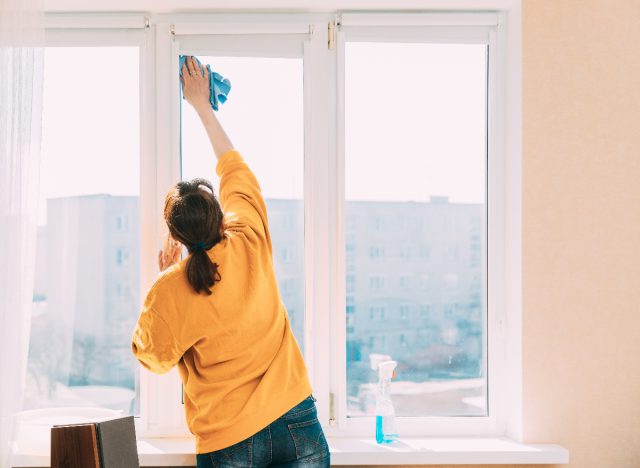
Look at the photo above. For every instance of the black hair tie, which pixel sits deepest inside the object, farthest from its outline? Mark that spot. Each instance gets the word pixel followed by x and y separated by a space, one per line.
pixel 200 246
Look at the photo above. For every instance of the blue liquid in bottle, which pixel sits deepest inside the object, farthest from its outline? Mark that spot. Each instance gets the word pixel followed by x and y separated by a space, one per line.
pixel 382 428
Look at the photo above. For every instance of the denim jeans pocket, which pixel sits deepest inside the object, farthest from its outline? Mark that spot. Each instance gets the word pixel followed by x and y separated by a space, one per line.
pixel 309 440
pixel 239 455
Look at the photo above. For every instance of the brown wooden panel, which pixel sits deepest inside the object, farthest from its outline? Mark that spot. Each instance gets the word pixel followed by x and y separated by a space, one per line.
pixel 74 446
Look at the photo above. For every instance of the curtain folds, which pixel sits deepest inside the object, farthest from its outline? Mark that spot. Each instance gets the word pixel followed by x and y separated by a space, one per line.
pixel 21 78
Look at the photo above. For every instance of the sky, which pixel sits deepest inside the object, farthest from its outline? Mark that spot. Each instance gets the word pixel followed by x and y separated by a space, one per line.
pixel 263 117
pixel 90 123
pixel 415 121
pixel 414 125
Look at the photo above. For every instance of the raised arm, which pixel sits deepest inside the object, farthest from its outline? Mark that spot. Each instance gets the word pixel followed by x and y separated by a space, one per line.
pixel 240 193
pixel 195 88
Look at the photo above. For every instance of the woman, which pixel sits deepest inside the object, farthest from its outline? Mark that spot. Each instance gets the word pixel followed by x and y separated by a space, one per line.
pixel 218 315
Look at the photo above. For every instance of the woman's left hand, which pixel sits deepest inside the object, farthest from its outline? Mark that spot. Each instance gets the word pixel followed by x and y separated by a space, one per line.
pixel 170 255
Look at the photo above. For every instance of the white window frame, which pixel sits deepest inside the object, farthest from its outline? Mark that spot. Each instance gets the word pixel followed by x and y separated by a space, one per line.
pixel 503 271
pixel 162 37
pixel 265 35
pixel 119 30
pixel 474 28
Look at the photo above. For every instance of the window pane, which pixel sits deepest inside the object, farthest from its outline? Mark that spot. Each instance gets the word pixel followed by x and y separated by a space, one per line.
pixel 415 130
pixel 86 297
pixel 264 119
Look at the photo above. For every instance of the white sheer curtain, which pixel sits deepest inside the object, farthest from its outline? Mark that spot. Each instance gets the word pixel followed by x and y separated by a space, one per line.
pixel 21 76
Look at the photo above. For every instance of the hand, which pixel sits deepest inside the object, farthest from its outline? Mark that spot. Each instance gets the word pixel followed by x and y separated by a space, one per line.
pixel 195 83
pixel 171 254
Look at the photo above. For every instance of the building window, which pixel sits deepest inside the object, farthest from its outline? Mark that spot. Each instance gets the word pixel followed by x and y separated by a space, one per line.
pixel 424 281
pixel 122 256
pixel 404 252
pixel 375 253
pixel 425 252
pixel 450 280
pixel 288 285
pixel 452 253
pixel 376 283
pixel 286 254
pixel 122 223
pixel 351 284
pixel 376 313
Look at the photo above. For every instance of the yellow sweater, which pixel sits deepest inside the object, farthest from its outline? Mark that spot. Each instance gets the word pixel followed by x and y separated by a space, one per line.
pixel 237 357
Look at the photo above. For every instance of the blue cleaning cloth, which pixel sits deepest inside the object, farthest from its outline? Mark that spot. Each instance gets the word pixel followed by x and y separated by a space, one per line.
pixel 219 86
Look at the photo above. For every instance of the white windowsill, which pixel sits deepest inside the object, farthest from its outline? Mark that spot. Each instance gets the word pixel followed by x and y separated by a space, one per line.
pixel 352 451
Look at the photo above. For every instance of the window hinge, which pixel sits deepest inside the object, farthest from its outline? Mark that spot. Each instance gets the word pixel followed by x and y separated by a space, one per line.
pixel 147 23
pixel 332 411
pixel 172 29
pixel 331 34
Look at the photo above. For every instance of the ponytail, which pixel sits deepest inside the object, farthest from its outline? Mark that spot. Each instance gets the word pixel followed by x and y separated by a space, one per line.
pixel 202 273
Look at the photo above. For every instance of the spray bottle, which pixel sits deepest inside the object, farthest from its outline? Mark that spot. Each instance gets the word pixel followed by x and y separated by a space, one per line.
pixel 385 413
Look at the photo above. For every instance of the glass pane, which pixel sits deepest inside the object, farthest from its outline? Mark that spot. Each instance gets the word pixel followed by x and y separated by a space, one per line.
pixel 264 119
pixel 86 299
pixel 415 172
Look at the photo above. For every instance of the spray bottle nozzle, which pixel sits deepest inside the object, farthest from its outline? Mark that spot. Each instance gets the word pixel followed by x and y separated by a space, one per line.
pixel 386 370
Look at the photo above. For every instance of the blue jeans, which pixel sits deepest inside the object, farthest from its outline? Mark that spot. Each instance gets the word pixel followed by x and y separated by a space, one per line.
pixel 295 439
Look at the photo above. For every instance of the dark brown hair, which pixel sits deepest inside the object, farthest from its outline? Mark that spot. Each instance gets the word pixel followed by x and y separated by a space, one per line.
pixel 194 218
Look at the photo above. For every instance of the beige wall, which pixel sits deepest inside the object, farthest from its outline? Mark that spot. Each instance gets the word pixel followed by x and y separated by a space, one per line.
pixel 581 228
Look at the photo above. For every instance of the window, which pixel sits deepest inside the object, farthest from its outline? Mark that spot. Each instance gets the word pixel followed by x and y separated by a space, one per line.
pixel 388 239
pixel 450 280
pixel 425 252
pixel 424 281
pixel 286 254
pixel 426 163
pixel 452 252
pixel 122 223
pixel 351 283
pixel 122 256
pixel 404 252
pixel 376 313
pixel 375 253
pixel 376 283
pixel 86 295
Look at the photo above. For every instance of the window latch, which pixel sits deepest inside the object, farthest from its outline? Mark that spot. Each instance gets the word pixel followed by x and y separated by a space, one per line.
pixel 331 34
pixel 332 411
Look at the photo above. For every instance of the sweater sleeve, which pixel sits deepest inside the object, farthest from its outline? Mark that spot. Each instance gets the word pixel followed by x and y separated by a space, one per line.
pixel 153 343
pixel 241 196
